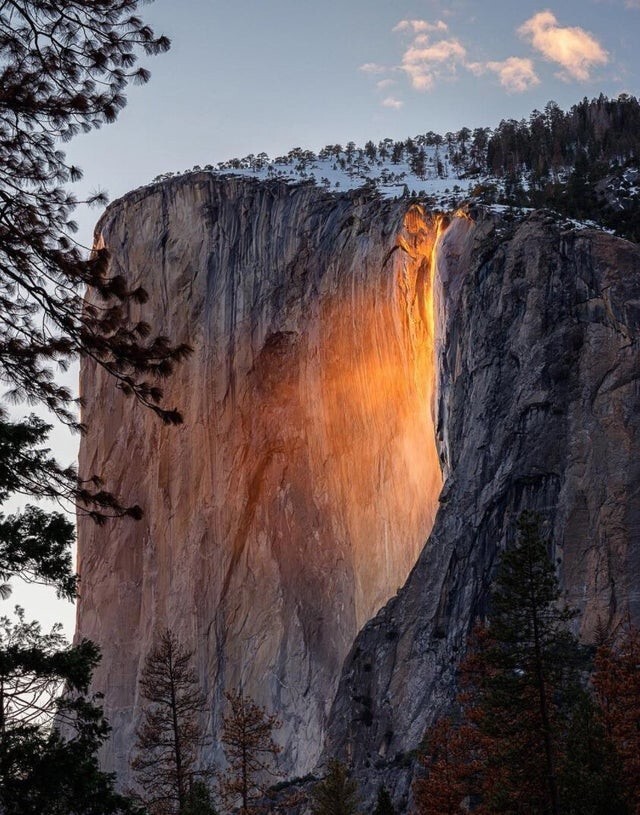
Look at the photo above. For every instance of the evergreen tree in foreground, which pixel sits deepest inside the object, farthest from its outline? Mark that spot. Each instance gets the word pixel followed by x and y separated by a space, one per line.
pixel 48 741
pixel 64 69
pixel 526 679
pixel 336 794
pixel 529 740
pixel 247 740
pixel 169 737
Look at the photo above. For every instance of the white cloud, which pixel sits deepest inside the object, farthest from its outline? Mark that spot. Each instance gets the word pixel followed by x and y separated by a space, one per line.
pixel 425 65
pixel 392 102
pixel 373 68
pixel 575 49
pixel 383 84
pixel 420 26
pixel 516 74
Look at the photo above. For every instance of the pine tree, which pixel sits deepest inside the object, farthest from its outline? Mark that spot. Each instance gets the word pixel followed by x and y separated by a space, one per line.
pixel 63 69
pixel 41 770
pixel 527 676
pixel 170 736
pixel 531 737
pixel 336 794
pixel 418 163
pixel 247 740
pixel 522 699
pixel 34 545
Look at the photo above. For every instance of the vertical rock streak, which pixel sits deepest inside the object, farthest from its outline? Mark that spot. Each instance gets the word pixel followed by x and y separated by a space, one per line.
pixel 296 497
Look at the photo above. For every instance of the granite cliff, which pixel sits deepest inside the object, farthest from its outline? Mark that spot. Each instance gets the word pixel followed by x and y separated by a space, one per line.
pixel 359 366
pixel 297 495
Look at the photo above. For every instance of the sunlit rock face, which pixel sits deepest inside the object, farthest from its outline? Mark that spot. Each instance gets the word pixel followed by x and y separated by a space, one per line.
pixel 297 495
pixel 350 354
pixel 538 408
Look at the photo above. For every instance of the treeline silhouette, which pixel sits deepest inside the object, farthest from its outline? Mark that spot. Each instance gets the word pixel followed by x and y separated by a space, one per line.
pixel 601 132
pixel 583 163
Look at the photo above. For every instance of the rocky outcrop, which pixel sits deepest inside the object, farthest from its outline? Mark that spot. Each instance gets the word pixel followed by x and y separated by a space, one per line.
pixel 539 409
pixel 297 495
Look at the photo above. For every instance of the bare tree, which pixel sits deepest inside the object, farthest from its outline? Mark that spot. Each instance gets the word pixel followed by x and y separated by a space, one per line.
pixel 170 735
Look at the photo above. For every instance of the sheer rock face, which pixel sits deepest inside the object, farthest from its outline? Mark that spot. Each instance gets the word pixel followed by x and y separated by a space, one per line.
pixel 297 495
pixel 538 408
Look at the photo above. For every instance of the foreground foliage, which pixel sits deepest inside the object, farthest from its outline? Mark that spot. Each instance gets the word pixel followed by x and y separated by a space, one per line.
pixel 64 67
pixel 250 751
pixel 49 741
pixel 170 736
pixel 528 736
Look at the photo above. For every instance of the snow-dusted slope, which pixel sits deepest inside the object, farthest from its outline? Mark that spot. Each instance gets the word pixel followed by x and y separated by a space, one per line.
pixel 434 172
pixel 443 175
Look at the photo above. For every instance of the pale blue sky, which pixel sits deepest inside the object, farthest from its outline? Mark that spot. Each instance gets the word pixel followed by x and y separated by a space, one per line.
pixel 245 76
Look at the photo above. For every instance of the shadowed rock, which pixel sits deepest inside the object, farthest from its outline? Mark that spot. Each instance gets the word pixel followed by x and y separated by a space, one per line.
pixel 539 409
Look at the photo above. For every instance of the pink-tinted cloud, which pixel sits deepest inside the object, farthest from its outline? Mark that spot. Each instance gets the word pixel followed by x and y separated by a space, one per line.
pixel 420 26
pixel 392 102
pixel 383 84
pixel 573 48
pixel 424 65
pixel 373 68
pixel 515 73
